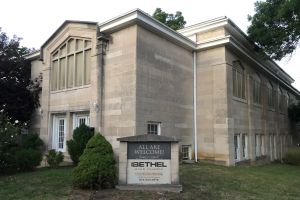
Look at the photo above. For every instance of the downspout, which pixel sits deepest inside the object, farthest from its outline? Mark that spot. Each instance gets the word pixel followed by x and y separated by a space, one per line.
pixel 195 105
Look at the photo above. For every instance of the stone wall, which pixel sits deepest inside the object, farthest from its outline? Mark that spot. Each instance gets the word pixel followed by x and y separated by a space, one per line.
pixel 164 90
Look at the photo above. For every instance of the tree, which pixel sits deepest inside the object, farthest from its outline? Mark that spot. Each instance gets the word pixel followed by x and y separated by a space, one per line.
pixel 275 27
pixel 19 95
pixel 175 22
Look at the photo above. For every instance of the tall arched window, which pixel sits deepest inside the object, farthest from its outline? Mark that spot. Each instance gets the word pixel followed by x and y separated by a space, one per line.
pixel 256 89
pixel 238 80
pixel 71 64
pixel 271 95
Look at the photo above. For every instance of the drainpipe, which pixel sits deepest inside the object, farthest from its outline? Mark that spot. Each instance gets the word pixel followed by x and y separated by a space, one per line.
pixel 195 105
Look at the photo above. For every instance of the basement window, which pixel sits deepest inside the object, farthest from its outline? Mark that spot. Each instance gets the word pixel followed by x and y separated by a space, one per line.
pixel 186 152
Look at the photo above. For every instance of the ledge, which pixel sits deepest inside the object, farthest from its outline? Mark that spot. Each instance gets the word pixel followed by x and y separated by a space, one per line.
pixel 147 138
pixel 160 188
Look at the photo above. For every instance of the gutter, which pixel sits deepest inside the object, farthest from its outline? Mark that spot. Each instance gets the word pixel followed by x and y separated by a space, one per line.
pixel 195 105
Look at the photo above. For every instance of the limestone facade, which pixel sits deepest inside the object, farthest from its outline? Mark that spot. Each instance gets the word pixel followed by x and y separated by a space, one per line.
pixel 141 75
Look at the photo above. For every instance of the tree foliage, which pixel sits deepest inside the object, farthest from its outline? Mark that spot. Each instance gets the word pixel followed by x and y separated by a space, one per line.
pixel 175 22
pixel 275 27
pixel 19 95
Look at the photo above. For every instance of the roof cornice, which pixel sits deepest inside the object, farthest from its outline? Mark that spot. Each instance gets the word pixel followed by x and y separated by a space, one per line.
pixel 137 16
pixel 33 55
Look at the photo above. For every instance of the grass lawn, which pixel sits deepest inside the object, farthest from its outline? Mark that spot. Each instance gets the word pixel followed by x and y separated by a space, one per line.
pixel 200 181
pixel 41 184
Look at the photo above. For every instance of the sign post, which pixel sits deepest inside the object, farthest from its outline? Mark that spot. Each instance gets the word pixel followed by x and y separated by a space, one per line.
pixel 149 162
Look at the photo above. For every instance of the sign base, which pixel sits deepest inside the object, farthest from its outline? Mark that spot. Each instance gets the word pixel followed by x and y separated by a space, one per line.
pixel 158 188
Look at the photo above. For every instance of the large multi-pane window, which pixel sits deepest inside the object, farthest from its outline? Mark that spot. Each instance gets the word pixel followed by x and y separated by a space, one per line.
pixel 71 64
pixel 282 101
pixel 238 80
pixel 256 89
pixel 270 91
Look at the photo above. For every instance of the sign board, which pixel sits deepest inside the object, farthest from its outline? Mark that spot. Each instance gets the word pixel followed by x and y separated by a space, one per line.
pixel 149 163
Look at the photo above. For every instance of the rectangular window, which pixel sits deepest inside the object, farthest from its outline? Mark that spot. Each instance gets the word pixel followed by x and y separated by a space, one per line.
pixel 245 146
pixel 87 73
pixel 238 81
pixel 271 147
pixel 54 72
pixel 271 98
pixel 256 92
pixel 62 74
pixel 257 145
pixel 262 145
pixel 79 69
pixel 185 150
pixel 275 146
pixel 79 119
pixel 236 141
pixel 153 128
pixel 70 71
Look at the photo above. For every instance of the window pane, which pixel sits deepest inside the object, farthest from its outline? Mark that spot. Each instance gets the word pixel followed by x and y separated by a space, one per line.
pixel 234 82
pixel 62 73
pixel 87 43
pixel 79 45
pixel 55 55
pixel 87 65
pixel 70 72
pixel 71 45
pixel 63 51
pixel 79 69
pixel 54 75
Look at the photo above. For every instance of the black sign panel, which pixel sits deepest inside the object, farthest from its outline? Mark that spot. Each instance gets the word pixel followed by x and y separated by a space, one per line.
pixel 148 150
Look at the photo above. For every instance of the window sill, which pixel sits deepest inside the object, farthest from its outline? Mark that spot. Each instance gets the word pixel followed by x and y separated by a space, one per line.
pixel 261 157
pixel 70 89
pixel 240 99
pixel 258 105
pixel 242 162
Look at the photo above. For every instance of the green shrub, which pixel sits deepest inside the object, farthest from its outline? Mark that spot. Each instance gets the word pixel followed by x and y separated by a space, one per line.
pixel 54 158
pixel 76 146
pixel 32 141
pixel 292 156
pixel 27 159
pixel 17 152
pixel 96 167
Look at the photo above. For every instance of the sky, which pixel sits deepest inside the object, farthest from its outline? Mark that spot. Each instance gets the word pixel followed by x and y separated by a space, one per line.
pixel 36 20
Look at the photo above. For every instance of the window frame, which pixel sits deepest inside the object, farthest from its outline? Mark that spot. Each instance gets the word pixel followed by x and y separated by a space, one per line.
pixel 188 152
pixel 151 129
pixel 238 80
pixel 237 148
pixel 256 89
pixel 78 116
pixel 63 53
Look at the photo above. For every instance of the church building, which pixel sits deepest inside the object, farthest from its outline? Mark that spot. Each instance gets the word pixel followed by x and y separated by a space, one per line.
pixel 203 85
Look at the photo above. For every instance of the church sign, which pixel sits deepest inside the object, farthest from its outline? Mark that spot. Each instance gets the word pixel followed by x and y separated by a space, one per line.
pixel 149 162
